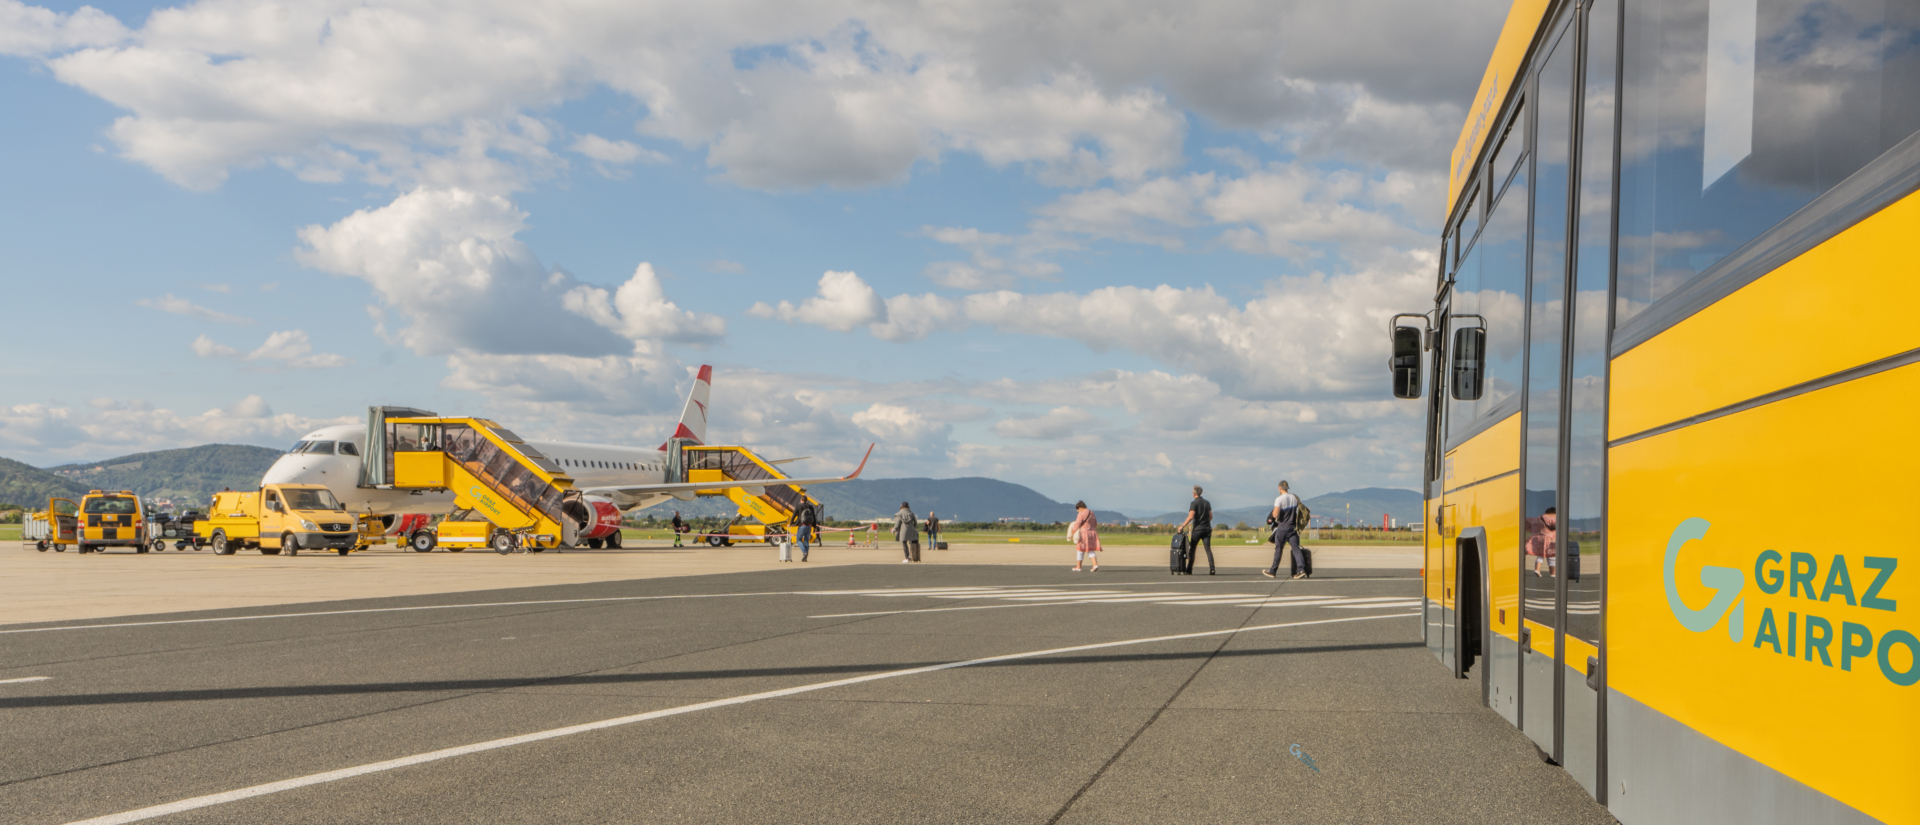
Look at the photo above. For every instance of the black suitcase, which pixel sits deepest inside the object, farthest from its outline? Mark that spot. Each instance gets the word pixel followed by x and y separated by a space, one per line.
pixel 913 550
pixel 1306 560
pixel 1177 556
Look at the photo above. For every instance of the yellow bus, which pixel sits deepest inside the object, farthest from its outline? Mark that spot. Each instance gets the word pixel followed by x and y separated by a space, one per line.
pixel 1671 382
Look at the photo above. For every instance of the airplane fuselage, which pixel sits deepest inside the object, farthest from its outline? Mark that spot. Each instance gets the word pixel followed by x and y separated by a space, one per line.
pixel 321 458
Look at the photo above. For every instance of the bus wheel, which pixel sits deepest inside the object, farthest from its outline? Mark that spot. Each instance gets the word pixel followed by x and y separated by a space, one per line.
pixel 290 543
pixel 422 542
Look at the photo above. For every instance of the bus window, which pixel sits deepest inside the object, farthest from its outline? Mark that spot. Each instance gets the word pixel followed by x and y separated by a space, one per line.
pixel 1492 284
pixel 1730 125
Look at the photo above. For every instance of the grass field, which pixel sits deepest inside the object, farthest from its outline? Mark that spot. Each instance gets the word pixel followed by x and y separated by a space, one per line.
pixel 9 532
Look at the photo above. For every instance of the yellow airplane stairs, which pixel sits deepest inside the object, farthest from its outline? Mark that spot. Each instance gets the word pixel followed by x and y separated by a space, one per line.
pixel 772 504
pixel 489 470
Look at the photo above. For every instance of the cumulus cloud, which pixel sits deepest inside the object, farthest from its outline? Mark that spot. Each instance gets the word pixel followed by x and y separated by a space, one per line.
pixel 287 349
pixel 182 306
pixel 843 303
pixel 609 154
pixel 449 262
pixel 51 434
pixel 31 31
pixel 1055 424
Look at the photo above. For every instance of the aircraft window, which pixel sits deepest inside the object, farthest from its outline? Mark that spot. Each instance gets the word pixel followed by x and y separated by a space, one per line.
pixel 298 447
pixel 344 448
pixel 320 448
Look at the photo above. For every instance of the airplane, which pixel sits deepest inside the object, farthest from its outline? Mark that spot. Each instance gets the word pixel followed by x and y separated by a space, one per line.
pixel 611 478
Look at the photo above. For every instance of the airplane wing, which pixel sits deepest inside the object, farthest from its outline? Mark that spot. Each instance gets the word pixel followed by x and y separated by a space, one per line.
pixel 753 485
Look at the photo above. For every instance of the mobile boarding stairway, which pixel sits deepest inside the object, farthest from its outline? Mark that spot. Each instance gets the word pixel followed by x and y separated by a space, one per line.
pixel 490 471
pixel 773 504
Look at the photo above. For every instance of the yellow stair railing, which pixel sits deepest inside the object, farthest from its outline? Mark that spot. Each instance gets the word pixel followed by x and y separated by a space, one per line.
pixel 488 468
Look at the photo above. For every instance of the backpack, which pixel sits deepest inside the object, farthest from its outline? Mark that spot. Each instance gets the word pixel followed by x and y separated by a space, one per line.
pixel 1302 517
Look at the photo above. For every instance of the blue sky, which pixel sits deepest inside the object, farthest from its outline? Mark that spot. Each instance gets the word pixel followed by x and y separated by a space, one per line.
pixel 1105 252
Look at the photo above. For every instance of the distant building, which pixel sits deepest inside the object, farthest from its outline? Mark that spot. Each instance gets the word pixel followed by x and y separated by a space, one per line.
pixel 1011 519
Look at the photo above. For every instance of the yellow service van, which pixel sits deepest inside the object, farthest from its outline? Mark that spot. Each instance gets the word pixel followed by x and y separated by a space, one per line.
pixel 111 519
pixel 277 517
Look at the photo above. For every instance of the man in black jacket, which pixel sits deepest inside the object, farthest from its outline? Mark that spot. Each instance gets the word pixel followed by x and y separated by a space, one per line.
pixel 804 522
pixel 1200 515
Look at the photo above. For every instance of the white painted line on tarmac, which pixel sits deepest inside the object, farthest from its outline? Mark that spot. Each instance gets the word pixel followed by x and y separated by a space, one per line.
pixel 24 679
pixel 211 800
pixel 388 610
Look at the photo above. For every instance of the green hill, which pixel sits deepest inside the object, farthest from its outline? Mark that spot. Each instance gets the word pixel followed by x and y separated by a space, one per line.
pixel 30 487
pixel 189 476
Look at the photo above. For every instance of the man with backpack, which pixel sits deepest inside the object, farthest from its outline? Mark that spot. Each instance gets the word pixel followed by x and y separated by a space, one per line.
pixel 1200 515
pixel 804 522
pixel 1287 511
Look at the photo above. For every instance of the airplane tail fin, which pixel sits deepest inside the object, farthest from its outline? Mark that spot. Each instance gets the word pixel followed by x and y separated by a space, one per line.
pixel 693 419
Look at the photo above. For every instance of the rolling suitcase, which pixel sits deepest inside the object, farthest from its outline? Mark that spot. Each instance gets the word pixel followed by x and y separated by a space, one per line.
pixel 786 551
pixel 1177 556
pixel 913 550
pixel 940 546
pixel 1306 560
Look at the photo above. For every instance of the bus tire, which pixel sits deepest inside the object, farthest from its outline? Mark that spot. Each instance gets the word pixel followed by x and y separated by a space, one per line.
pixel 290 543
pixel 422 541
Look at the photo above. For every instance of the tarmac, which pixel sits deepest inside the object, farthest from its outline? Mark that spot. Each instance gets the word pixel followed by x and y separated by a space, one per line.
pixel 845 690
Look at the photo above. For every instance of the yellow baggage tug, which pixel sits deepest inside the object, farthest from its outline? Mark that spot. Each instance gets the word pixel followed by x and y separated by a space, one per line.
pixel 1671 339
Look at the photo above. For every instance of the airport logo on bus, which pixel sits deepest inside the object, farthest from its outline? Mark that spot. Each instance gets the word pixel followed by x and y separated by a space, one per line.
pixel 1806 635
pixel 481 498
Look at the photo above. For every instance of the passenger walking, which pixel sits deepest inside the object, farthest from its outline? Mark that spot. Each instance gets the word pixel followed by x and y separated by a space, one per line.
pixel 804 522
pixel 1200 516
pixel 906 530
pixel 1284 508
pixel 933 530
pixel 1085 535
pixel 1543 541
pixel 679 528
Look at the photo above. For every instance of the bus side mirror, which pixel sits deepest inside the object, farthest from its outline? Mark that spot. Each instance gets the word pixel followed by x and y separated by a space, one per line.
pixel 1469 363
pixel 1407 344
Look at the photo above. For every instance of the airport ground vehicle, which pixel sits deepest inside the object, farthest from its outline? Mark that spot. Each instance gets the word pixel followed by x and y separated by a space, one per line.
pixel 1670 325
pixel 111 519
pixel 279 518
pixel 55 528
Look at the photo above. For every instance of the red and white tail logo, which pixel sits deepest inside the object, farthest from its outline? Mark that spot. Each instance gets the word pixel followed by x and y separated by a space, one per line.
pixel 693 419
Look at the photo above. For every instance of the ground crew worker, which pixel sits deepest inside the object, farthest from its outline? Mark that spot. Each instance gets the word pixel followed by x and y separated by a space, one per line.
pixel 679 527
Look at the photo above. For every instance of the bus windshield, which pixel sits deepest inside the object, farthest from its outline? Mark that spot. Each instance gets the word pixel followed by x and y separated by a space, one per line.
pixel 311 500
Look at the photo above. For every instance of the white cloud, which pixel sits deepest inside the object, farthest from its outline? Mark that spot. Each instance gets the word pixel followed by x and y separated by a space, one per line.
pixel 639 309
pixel 48 434
pixel 608 154
pixel 844 302
pixel 31 31
pixel 1055 424
pixel 182 306
pixel 287 349
pixel 449 262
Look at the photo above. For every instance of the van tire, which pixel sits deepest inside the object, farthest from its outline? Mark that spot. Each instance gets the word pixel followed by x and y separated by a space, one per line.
pixel 220 545
pixel 422 541
pixel 290 543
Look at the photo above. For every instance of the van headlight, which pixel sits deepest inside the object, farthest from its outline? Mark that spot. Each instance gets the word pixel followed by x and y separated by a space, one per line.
pixel 308 525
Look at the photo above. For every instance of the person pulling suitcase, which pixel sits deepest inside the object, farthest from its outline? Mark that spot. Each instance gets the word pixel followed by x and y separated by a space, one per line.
pixel 1200 519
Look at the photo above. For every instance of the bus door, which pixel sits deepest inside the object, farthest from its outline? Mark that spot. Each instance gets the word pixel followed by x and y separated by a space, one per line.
pixel 1562 474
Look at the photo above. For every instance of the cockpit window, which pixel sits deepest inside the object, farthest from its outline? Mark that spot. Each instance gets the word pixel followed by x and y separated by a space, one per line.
pixel 312 500
pixel 346 448
pixel 319 448
pixel 298 448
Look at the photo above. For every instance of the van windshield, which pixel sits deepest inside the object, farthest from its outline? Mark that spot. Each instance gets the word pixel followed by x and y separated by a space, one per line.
pixel 311 500
pixel 111 505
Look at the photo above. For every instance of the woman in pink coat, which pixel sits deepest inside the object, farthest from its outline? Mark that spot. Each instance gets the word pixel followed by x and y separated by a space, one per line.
pixel 1085 535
